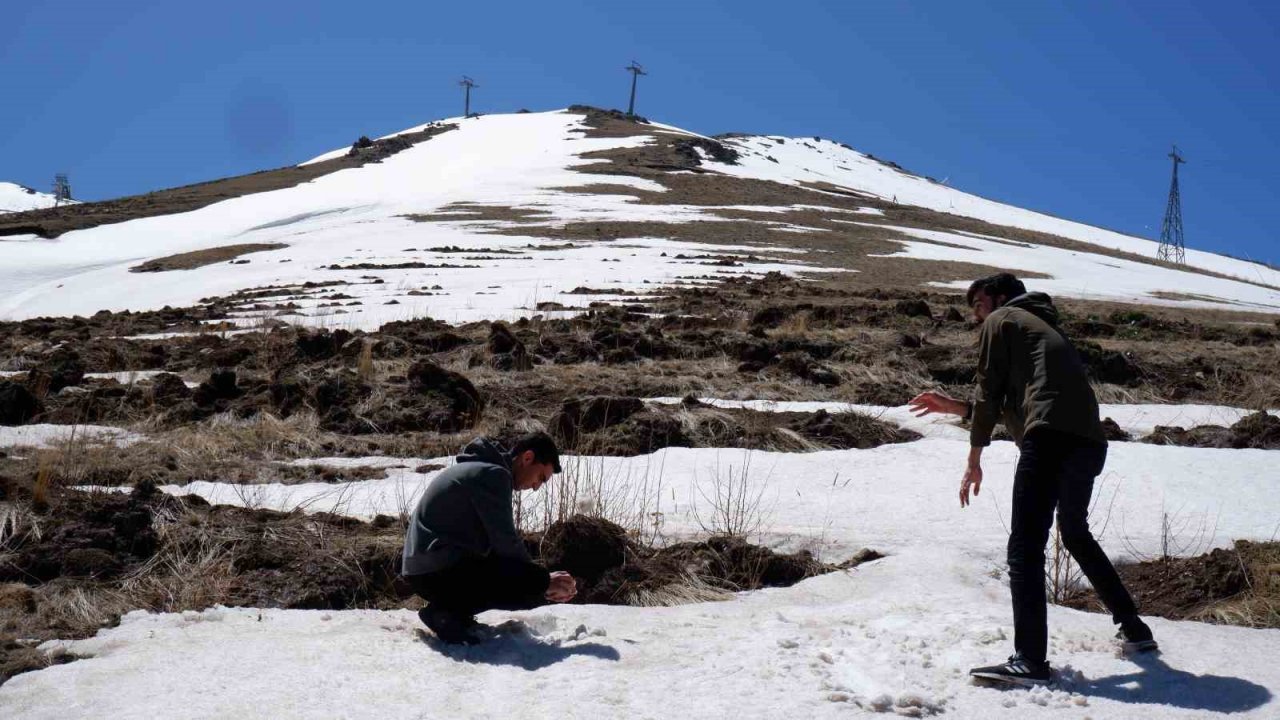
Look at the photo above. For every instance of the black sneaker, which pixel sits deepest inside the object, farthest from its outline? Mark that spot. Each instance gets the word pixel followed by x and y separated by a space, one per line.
pixel 1018 671
pixel 449 626
pixel 1136 637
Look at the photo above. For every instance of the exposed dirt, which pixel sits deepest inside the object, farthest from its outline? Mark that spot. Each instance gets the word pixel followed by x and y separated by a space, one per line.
pixel 201 258
pixel 149 550
pixel 613 569
pixel 1240 585
pixel 1259 430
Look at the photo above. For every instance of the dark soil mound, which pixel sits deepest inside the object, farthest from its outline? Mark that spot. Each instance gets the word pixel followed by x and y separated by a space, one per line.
pixel 801 365
pixel 688 148
pixel 1114 432
pixel 507 352
pixel 850 430
pixel 585 547
pixel 1109 366
pixel 1190 588
pixel 587 415
pixel 17 404
pixel 87 536
pixel 456 402
pixel 61 368
pixel 645 432
pixel 1260 430
pixel 613 569
pixel 1204 436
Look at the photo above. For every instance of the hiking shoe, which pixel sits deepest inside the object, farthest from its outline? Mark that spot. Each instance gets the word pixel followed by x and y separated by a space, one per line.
pixel 1136 637
pixel 1017 671
pixel 452 628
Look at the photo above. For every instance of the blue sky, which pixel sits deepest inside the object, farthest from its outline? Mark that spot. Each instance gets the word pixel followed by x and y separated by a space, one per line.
pixel 1066 108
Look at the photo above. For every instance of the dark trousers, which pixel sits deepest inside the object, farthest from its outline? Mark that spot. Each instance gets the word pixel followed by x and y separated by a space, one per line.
pixel 1056 470
pixel 477 584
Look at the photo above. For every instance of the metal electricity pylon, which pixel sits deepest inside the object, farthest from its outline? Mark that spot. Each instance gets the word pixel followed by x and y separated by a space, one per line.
pixel 1172 246
pixel 61 189
pixel 636 71
pixel 467 83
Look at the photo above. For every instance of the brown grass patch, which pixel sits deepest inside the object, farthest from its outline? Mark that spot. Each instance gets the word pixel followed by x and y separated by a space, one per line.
pixel 201 258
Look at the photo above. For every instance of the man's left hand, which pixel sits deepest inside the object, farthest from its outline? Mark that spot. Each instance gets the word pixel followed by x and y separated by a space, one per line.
pixel 972 480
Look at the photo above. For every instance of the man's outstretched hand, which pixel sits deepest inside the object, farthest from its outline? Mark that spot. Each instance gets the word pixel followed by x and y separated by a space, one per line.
pixel 972 480
pixel 562 588
pixel 927 403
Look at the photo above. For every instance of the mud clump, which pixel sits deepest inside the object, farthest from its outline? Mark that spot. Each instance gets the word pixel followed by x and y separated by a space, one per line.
pixel 458 405
pixel 87 536
pixel 805 367
pixel 507 352
pixel 1113 432
pixel 1260 430
pixel 688 149
pixel 590 414
pixel 221 385
pixel 614 569
pixel 1189 588
pixel 17 404
pixel 61 368
pixel 1109 366
pixel 850 430
pixel 914 308
pixel 645 432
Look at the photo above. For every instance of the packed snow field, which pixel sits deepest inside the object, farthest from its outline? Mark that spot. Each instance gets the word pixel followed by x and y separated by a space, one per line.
pixel 894 636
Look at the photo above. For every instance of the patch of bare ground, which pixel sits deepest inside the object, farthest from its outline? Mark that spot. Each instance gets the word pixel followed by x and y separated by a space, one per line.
pixel 1236 586
pixel 627 426
pixel 52 222
pixel 693 186
pixel 612 568
pixel 201 258
pixel 82 560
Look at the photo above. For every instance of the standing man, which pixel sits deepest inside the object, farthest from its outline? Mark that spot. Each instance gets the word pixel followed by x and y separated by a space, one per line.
pixel 1030 375
pixel 462 552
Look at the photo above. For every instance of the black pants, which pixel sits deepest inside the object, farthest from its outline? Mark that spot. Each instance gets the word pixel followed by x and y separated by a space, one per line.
pixel 477 584
pixel 1056 469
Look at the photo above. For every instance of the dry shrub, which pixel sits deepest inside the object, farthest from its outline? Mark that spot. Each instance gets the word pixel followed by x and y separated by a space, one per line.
pixel 732 500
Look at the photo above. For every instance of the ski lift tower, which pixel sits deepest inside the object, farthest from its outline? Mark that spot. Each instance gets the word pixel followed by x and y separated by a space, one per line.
pixel 1172 247
pixel 636 71
pixel 467 83
pixel 61 189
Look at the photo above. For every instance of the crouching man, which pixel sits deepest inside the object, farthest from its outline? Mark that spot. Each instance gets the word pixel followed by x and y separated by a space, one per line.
pixel 462 553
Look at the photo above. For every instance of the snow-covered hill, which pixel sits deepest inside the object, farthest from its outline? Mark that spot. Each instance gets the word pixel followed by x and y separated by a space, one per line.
pixel 481 184
pixel 19 198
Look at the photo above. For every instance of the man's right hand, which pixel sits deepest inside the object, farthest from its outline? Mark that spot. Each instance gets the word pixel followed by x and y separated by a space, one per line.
pixel 562 588
pixel 935 402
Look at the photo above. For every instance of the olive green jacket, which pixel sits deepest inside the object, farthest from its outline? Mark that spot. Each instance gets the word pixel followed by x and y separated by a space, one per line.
pixel 1030 375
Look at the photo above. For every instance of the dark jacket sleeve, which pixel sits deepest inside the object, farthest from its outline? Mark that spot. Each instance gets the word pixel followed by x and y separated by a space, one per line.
pixel 992 376
pixel 491 496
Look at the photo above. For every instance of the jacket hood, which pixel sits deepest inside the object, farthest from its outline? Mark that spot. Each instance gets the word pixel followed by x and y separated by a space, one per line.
pixel 1038 304
pixel 484 450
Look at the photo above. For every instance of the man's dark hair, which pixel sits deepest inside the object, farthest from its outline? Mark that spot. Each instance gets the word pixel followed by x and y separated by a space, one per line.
pixel 996 285
pixel 543 447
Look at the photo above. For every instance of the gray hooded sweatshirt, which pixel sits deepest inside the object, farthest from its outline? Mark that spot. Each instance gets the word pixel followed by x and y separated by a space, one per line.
pixel 465 511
